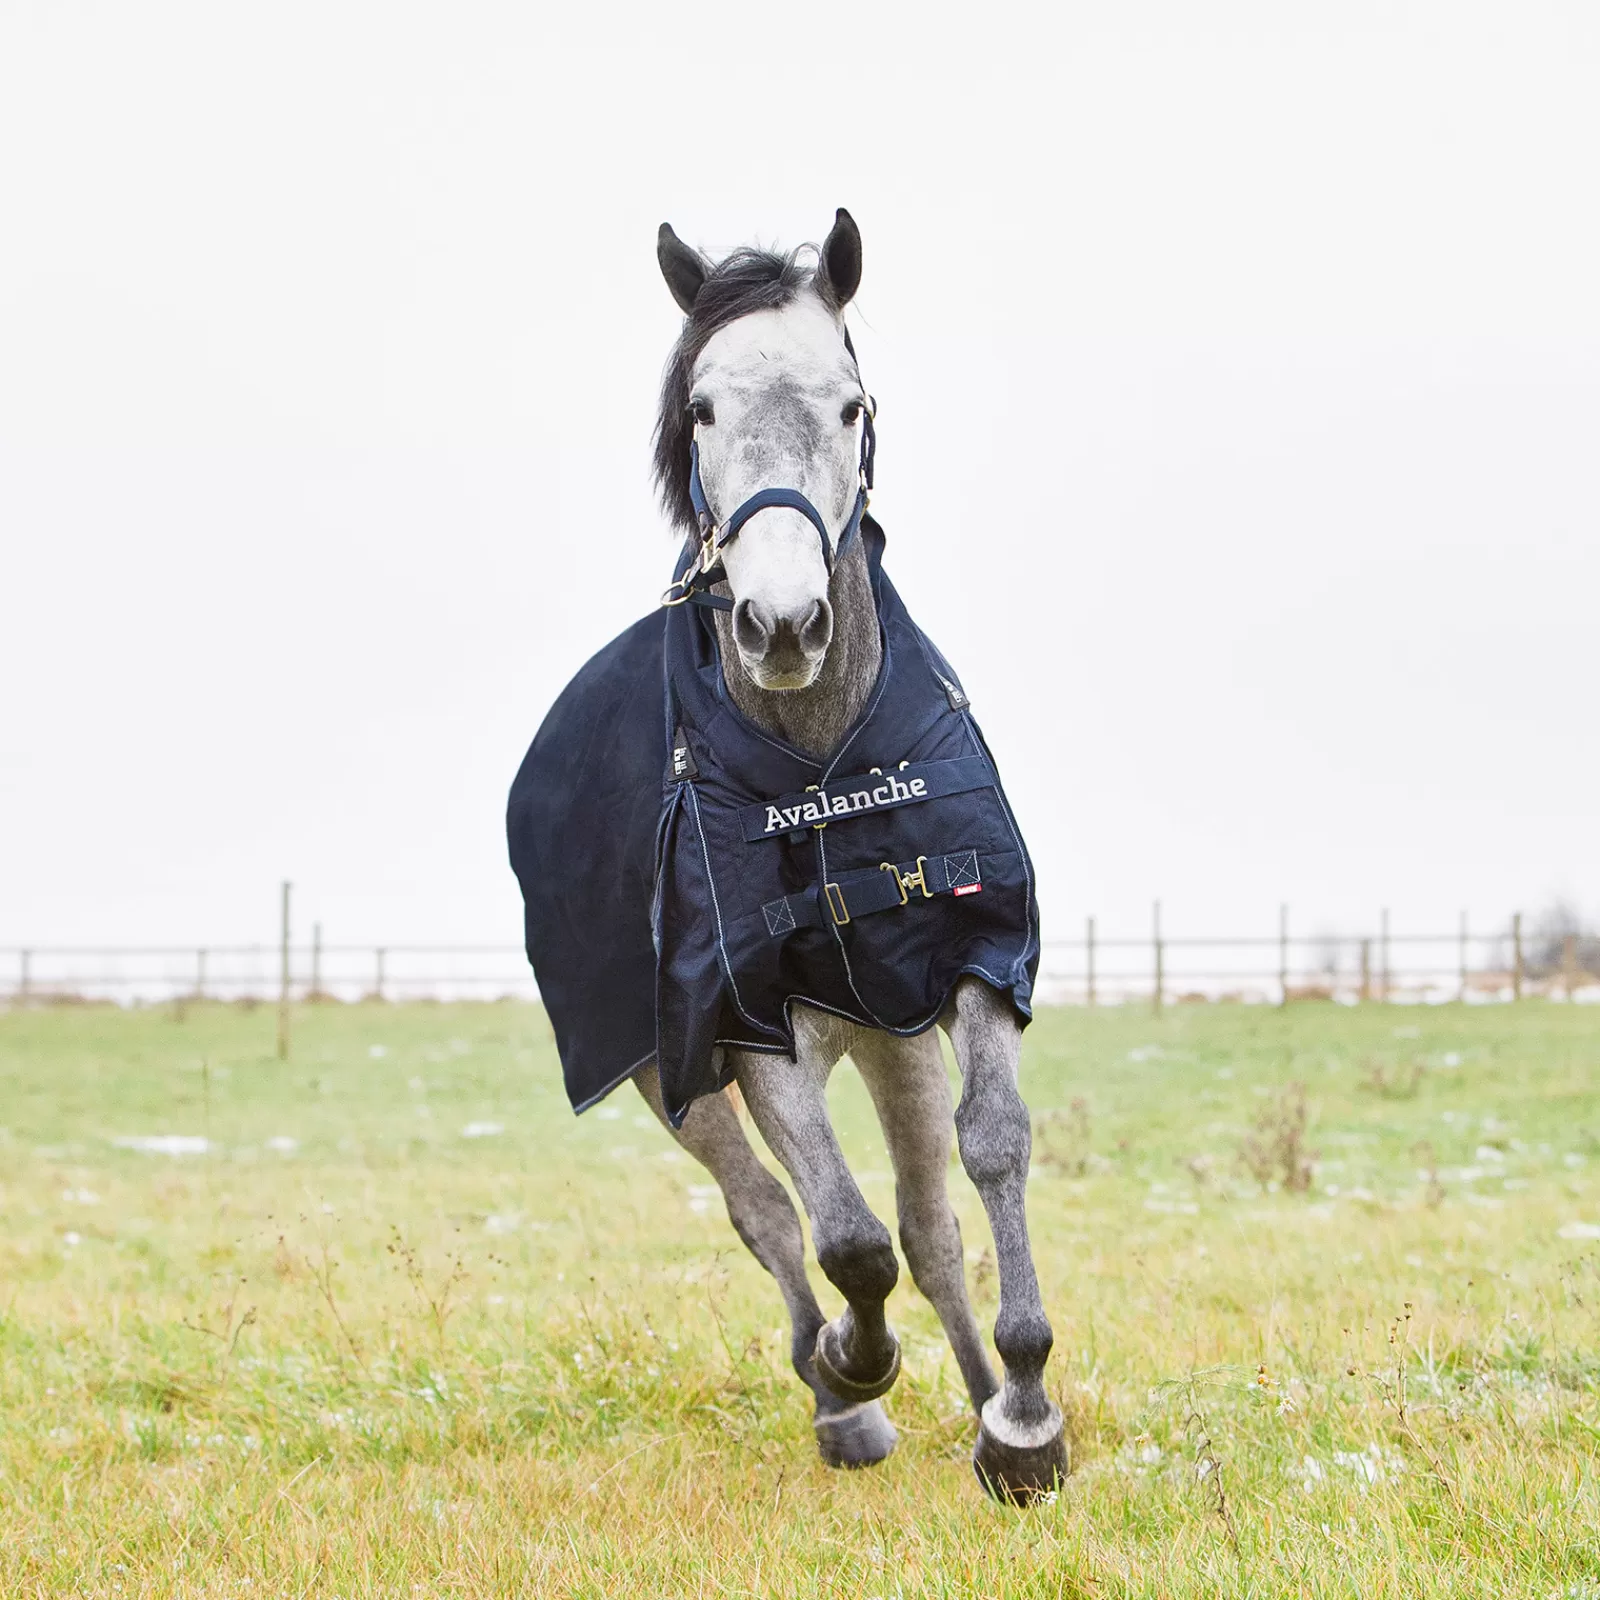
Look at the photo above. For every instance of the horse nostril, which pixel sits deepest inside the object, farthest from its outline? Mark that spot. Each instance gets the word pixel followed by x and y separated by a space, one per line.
pixel 752 628
pixel 817 630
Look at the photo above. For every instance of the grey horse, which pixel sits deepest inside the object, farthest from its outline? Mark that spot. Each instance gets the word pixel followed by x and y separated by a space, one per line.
pixel 774 396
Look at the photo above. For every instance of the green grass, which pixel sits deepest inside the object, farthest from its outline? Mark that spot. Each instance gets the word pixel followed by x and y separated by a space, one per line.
pixel 392 1360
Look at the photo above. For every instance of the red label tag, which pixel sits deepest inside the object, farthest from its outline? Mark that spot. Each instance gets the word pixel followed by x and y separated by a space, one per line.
pixel 968 888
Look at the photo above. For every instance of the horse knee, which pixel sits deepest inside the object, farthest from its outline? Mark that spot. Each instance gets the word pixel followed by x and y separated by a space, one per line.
pixel 862 1268
pixel 994 1135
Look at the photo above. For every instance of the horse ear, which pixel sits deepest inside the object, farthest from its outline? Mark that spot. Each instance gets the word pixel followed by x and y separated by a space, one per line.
pixel 840 265
pixel 683 268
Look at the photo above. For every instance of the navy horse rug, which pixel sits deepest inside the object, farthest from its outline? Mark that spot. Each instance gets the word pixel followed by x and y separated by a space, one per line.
pixel 687 877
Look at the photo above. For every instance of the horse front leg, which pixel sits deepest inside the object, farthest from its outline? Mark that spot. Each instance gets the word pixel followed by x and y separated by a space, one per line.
pixel 1021 1448
pixel 857 1356
pixel 762 1214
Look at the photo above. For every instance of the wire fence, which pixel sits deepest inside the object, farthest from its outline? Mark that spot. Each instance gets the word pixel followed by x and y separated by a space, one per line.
pixel 1503 964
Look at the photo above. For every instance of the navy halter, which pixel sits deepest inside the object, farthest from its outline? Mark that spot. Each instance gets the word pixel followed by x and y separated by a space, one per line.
pixel 705 566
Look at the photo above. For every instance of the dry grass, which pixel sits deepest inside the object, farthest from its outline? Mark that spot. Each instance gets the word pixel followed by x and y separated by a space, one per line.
pixel 394 1360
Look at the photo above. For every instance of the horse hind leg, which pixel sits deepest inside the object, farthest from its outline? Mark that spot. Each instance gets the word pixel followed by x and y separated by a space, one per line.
pixel 911 1093
pixel 848 1434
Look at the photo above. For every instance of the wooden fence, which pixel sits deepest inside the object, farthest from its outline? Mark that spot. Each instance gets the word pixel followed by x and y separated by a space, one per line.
pixel 1156 967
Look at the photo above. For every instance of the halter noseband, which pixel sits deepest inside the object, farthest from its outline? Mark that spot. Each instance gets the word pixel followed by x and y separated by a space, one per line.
pixel 705 566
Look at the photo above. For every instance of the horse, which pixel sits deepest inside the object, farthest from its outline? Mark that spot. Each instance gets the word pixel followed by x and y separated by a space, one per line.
pixel 763 408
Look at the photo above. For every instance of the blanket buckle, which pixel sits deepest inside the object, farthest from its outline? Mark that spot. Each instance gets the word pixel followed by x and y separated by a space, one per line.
pixel 909 880
pixel 837 909
pixel 812 788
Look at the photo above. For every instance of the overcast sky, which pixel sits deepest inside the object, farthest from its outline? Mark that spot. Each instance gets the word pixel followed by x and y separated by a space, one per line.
pixel 1239 383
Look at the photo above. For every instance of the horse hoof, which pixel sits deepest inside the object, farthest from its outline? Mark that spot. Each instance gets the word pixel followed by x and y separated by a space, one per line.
pixel 829 1360
pixel 1019 1464
pixel 859 1437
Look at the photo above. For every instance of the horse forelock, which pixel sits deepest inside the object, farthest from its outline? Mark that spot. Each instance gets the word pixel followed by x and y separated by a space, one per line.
pixel 747 281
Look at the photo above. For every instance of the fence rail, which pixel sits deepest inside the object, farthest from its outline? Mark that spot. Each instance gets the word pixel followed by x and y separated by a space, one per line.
pixel 1504 964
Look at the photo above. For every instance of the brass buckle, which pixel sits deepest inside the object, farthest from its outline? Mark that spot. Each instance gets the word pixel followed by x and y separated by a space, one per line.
pixel 909 880
pixel 681 589
pixel 710 549
pixel 837 909
pixel 813 788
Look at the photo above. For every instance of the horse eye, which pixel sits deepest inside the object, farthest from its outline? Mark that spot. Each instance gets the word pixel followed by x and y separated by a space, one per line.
pixel 702 413
pixel 851 414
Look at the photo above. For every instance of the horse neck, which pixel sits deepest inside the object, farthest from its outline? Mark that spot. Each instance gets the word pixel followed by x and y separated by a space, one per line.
pixel 816 718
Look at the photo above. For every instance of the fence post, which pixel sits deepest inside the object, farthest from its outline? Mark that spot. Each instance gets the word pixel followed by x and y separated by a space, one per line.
pixel 199 974
pixel 1569 962
pixel 1089 947
pixel 1366 970
pixel 1463 994
pixel 1283 955
pixel 1516 955
pixel 25 977
pixel 316 960
pixel 377 988
pixel 283 980
pixel 1383 954
pixel 1160 958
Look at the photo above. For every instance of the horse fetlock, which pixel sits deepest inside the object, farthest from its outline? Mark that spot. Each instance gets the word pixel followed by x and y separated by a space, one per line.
pixel 859 1436
pixel 853 1367
pixel 1019 1461
pixel 1024 1339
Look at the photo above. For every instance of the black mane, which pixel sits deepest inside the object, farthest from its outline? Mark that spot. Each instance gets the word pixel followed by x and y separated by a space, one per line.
pixel 748 280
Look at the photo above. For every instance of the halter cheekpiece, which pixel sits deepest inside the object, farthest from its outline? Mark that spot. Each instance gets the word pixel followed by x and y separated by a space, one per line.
pixel 705 563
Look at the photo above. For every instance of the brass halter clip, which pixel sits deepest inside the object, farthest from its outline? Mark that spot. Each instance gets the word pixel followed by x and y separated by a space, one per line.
pixel 703 560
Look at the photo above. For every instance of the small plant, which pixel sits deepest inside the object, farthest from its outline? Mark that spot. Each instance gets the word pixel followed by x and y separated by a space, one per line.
pixel 1063 1138
pixel 1392 1386
pixel 229 1323
pixel 1208 1469
pixel 1276 1151
pixel 322 1271
pixel 436 1302
pixel 984 1275
pixel 1392 1081
pixel 1433 1189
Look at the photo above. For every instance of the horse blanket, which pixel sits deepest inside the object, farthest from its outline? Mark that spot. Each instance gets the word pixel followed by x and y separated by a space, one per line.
pixel 688 877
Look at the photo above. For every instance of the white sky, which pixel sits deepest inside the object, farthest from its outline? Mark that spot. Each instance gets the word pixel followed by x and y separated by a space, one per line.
pixel 1239 383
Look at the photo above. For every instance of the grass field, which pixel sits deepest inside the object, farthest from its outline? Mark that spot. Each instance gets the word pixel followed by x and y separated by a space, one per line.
pixel 407 1327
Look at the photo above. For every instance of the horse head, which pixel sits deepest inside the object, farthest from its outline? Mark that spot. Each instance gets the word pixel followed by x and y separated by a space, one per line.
pixel 762 393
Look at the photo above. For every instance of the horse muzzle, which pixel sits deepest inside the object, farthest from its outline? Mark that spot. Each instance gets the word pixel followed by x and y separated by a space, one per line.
pixel 783 650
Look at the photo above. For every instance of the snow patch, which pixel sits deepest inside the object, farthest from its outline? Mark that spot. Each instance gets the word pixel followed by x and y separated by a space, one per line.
pixel 164 1144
